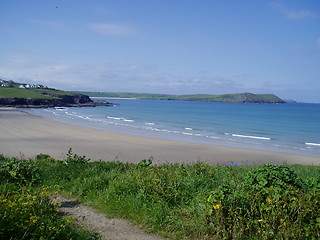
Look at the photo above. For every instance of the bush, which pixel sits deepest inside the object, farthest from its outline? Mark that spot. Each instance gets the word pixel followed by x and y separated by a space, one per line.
pixel 44 157
pixel 273 203
pixel 29 214
pixel 19 171
pixel 74 158
pixel 272 176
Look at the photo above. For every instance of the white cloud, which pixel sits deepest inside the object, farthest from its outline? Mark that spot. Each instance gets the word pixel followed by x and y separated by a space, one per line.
pixel 111 29
pixel 293 14
pixel 56 73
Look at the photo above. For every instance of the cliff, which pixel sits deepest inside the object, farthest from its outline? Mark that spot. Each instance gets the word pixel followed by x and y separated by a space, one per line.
pixel 38 96
pixel 63 101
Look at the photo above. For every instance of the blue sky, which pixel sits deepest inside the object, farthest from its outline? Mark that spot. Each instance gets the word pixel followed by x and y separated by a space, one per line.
pixel 164 46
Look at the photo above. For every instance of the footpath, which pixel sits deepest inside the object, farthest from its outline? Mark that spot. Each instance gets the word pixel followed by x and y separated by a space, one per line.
pixel 107 228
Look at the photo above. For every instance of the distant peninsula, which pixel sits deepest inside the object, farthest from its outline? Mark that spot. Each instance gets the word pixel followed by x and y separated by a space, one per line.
pixel 23 95
pixel 231 98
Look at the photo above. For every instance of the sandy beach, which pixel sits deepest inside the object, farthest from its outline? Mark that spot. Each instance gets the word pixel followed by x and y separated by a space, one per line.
pixel 26 135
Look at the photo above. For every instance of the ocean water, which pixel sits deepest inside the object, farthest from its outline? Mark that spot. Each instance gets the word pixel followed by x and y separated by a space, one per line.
pixel 291 128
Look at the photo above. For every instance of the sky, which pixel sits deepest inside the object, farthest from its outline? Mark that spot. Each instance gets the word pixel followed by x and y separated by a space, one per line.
pixel 164 46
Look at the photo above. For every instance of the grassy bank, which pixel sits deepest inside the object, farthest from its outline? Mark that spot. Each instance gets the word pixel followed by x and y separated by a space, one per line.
pixel 33 93
pixel 22 93
pixel 26 211
pixel 178 201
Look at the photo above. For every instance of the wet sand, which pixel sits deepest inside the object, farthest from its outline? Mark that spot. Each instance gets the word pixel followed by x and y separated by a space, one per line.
pixel 26 135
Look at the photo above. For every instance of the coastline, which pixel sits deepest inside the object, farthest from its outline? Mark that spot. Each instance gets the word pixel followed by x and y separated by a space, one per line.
pixel 111 98
pixel 24 134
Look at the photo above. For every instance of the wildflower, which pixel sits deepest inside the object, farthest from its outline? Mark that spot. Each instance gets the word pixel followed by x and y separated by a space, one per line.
pixel 217 206
pixel 268 200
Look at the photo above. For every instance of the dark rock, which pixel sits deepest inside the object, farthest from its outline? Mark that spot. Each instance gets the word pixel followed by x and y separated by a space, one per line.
pixel 62 101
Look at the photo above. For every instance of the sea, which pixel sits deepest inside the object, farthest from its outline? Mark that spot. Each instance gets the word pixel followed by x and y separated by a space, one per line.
pixel 290 128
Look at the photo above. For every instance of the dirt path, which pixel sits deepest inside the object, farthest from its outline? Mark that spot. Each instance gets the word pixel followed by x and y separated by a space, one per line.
pixel 107 228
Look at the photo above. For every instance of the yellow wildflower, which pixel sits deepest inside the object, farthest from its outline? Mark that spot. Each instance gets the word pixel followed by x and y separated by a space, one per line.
pixel 217 206
pixel 268 200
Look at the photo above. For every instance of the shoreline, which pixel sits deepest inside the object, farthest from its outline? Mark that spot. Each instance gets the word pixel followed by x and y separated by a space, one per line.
pixel 24 134
pixel 112 98
pixel 154 129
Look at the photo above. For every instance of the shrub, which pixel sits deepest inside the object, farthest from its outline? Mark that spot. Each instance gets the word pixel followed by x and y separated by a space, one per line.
pixel 44 157
pixel 29 214
pixel 19 171
pixel 273 203
pixel 74 158
pixel 272 176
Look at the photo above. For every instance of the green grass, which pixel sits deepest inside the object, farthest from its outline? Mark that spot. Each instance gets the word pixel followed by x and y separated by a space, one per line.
pixel 21 93
pixel 187 201
pixel 16 92
pixel 54 92
pixel 26 211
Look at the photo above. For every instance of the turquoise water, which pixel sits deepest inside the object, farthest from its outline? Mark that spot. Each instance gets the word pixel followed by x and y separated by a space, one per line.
pixel 293 128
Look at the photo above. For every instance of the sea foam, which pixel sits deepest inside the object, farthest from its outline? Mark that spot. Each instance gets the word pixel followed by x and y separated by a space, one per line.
pixel 253 137
pixel 313 144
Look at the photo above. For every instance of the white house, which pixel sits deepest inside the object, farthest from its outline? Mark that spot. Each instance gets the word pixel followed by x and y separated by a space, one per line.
pixel 6 85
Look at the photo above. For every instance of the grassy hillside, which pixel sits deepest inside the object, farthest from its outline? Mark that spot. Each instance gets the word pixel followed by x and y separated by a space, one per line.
pixel 38 96
pixel 6 92
pixel 178 201
pixel 32 93
pixel 238 97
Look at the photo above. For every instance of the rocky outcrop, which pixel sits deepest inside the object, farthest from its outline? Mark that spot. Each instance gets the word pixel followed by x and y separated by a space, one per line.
pixel 60 101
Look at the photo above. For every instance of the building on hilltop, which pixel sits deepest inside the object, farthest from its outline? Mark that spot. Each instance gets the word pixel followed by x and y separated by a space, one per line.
pixel 6 84
pixel 32 86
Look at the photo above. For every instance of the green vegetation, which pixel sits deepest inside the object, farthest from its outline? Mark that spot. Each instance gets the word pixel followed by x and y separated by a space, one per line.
pixel 22 93
pixel 179 201
pixel 41 92
pixel 239 97
pixel 54 92
pixel 32 93
pixel 26 211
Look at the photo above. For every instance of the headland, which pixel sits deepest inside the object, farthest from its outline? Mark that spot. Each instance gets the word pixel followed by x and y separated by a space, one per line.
pixel 22 95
